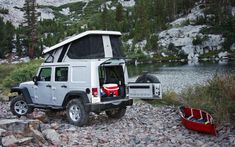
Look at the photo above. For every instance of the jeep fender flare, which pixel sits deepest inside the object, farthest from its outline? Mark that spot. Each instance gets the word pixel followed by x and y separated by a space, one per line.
pixel 75 94
pixel 24 91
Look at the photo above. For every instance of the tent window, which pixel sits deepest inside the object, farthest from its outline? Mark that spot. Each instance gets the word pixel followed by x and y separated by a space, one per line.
pixel 88 47
pixel 116 46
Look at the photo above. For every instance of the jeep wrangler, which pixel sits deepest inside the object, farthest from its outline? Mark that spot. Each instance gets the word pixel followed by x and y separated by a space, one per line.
pixel 85 73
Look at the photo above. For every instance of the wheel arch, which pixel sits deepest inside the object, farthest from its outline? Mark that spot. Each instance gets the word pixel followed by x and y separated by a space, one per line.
pixel 24 92
pixel 73 95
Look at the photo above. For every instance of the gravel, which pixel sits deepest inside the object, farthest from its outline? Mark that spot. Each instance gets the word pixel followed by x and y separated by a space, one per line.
pixel 143 125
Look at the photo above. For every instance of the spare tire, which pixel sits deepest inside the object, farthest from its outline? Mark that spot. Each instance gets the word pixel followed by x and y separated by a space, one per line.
pixel 147 78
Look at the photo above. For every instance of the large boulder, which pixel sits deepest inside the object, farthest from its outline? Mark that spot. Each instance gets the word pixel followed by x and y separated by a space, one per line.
pixel 52 136
pixel 11 140
pixel 39 138
pixel 18 125
pixel 40 115
pixel 20 132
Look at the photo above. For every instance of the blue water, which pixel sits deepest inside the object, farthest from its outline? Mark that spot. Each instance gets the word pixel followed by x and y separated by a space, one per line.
pixel 177 76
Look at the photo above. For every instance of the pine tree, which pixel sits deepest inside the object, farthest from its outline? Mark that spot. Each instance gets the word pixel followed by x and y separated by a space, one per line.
pixel 141 22
pixel 9 36
pixel 30 27
pixel 119 13
pixel 104 17
pixel 6 38
pixel 2 33
pixel 18 44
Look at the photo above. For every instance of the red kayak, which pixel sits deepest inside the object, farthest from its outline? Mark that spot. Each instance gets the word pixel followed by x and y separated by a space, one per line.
pixel 197 120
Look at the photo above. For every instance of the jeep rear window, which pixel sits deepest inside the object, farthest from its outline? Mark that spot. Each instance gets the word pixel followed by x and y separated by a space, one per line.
pixel 61 74
pixel 88 47
pixel 116 46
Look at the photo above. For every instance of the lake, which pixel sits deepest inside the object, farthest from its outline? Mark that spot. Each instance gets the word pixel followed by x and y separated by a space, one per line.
pixel 177 76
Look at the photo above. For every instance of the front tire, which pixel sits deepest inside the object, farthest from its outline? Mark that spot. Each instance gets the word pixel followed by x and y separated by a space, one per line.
pixel 116 113
pixel 76 113
pixel 19 106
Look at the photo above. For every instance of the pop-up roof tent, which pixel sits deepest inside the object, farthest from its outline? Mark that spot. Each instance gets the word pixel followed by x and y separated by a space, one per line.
pixel 87 45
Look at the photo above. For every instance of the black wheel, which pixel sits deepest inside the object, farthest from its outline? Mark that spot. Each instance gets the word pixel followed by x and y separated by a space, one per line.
pixel 19 106
pixel 116 113
pixel 76 113
pixel 147 78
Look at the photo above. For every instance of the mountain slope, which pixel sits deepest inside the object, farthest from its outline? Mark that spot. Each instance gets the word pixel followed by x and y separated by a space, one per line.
pixel 185 32
pixel 158 28
pixel 15 13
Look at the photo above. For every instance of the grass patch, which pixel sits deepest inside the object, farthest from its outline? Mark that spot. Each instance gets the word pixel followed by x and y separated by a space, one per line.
pixel 216 97
pixel 168 98
pixel 5 70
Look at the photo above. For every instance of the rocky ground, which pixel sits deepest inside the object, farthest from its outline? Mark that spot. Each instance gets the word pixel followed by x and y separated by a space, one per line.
pixel 143 125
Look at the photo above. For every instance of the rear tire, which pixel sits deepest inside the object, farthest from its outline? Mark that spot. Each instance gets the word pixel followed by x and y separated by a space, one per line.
pixel 76 113
pixel 116 113
pixel 19 106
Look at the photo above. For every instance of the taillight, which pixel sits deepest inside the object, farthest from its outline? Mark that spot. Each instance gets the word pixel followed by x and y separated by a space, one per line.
pixel 127 90
pixel 95 92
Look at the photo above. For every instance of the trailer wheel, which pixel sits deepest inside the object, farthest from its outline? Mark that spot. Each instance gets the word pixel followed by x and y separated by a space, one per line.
pixel 19 106
pixel 147 78
pixel 116 113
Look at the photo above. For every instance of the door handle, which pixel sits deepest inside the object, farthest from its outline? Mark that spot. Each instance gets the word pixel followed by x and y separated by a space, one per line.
pixel 48 86
pixel 64 86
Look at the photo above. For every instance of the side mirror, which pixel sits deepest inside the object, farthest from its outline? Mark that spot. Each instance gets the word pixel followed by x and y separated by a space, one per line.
pixel 35 80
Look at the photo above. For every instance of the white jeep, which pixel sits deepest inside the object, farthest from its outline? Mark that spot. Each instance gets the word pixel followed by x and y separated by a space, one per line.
pixel 85 73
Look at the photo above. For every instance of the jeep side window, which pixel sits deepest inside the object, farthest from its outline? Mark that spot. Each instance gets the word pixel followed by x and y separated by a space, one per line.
pixel 61 74
pixel 45 74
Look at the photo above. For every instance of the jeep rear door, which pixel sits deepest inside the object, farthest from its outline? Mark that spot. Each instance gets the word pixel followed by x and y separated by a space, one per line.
pixel 60 86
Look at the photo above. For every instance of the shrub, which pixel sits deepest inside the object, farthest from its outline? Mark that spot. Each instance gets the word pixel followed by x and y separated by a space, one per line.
pixel 22 72
pixel 216 97
pixel 200 20
pixel 4 11
pixel 5 70
pixel 210 54
pixel 171 47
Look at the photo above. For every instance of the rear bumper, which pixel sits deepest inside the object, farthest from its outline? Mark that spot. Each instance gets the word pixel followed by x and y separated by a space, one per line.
pixel 98 107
